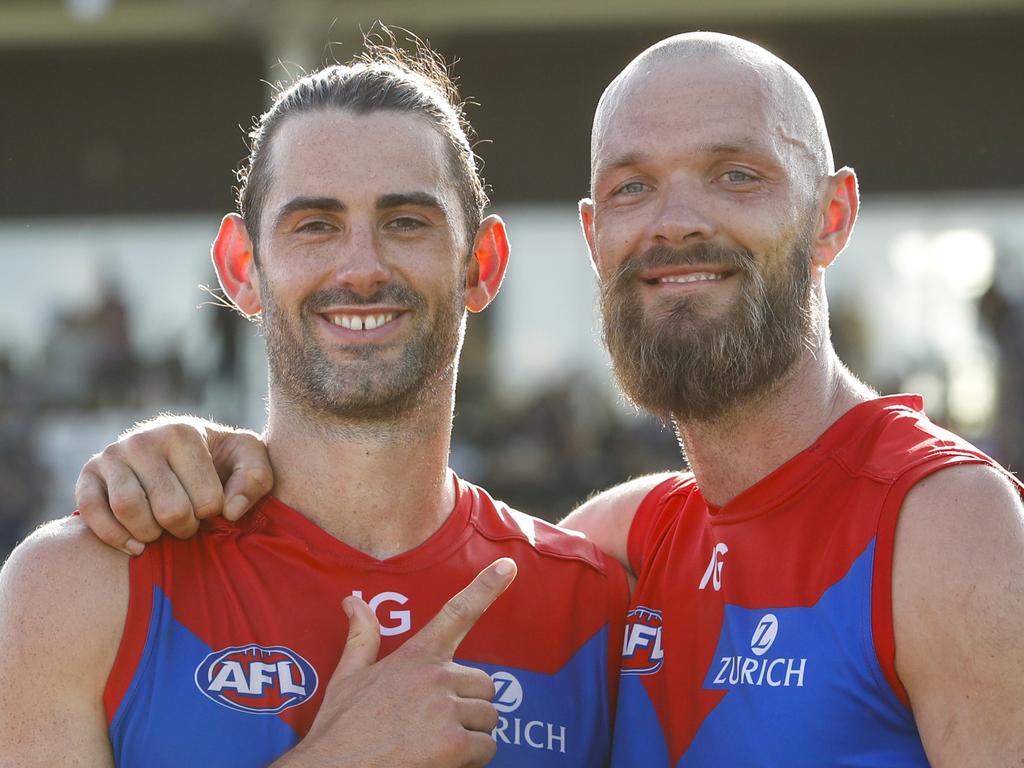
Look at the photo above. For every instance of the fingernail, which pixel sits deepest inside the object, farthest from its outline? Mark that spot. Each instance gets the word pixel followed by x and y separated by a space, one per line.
pixel 505 567
pixel 346 606
pixel 134 547
pixel 236 507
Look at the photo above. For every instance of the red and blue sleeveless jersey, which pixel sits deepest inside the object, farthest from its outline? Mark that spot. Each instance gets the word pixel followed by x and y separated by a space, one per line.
pixel 760 633
pixel 232 636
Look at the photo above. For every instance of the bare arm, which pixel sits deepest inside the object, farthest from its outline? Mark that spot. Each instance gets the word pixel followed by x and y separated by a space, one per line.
pixel 606 517
pixel 63 600
pixel 958 615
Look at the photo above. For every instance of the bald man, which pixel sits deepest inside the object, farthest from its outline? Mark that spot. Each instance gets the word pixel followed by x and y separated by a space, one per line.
pixel 836 581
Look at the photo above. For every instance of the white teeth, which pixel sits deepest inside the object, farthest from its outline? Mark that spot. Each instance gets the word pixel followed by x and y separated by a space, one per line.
pixel 693 277
pixel 362 322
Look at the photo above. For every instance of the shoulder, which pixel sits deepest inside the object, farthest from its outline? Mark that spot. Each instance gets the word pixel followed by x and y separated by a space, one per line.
pixel 63 601
pixel 958 607
pixel 550 548
pixel 606 517
pixel 61 590
pixel 964 510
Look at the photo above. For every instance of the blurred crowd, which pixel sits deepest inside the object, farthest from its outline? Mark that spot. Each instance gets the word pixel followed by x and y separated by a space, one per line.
pixel 543 454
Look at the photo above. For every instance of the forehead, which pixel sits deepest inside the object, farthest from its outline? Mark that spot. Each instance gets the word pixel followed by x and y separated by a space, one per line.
pixel 353 157
pixel 687 105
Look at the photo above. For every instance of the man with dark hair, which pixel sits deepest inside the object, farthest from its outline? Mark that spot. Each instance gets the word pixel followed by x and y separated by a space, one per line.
pixel 360 244
pixel 837 581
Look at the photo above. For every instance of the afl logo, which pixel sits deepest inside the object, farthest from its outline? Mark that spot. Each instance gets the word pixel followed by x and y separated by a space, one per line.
pixel 764 634
pixel 258 679
pixel 642 653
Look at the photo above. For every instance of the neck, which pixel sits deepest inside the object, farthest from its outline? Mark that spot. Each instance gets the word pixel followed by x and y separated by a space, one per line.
pixel 732 453
pixel 381 486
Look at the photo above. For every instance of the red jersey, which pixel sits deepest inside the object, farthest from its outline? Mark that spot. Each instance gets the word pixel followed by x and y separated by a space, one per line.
pixel 760 633
pixel 232 635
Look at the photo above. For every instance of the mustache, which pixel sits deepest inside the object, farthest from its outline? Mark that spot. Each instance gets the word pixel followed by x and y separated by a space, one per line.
pixel 391 293
pixel 695 255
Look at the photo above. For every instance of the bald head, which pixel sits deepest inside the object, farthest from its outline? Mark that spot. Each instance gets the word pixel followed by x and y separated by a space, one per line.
pixel 747 73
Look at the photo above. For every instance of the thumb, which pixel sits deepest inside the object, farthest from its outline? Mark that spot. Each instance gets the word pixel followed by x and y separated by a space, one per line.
pixel 363 643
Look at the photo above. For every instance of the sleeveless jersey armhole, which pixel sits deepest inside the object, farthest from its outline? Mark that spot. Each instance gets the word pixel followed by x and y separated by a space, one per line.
pixel 618 603
pixel 644 521
pixel 881 580
pixel 135 632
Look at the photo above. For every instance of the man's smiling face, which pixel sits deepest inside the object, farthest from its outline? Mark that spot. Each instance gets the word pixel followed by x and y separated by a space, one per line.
pixel 362 262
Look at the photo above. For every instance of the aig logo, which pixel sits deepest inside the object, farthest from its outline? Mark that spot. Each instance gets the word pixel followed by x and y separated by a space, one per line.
pixel 713 574
pixel 400 621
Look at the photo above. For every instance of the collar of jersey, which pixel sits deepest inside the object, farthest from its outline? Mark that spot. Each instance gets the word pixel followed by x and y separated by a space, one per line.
pixel 788 479
pixel 277 517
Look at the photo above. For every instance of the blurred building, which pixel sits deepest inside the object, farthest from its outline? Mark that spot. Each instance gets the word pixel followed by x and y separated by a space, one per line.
pixel 123 121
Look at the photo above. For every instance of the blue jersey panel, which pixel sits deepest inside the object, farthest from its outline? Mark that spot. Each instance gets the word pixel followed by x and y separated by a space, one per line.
pixel 639 739
pixel 152 725
pixel 540 722
pixel 797 680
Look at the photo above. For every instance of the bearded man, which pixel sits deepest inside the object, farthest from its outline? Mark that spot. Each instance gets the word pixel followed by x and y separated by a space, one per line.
pixel 836 580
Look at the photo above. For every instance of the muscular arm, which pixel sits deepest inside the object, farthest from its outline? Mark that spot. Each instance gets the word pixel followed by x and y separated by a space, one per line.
pixel 606 517
pixel 63 601
pixel 958 615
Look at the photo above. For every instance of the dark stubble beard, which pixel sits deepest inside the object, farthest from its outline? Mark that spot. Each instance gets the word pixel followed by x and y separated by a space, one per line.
pixel 677 363
pixel 362 387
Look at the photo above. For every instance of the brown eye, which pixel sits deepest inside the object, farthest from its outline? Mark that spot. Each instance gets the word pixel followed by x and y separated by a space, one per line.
pixel 314 227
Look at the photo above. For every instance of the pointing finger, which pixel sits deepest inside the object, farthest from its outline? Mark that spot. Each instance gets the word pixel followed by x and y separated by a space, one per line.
pixel 446 630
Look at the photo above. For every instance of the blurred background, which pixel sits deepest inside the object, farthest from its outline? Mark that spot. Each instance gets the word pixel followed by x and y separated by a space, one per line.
pixel 122 122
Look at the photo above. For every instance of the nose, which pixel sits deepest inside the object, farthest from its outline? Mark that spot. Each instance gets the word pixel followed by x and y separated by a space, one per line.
pixel 361 266
pixel 680 217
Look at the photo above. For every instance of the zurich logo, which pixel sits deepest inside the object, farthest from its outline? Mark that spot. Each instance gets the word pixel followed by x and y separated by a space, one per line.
pixel 257 679
pixel 764 634
pixel 508 692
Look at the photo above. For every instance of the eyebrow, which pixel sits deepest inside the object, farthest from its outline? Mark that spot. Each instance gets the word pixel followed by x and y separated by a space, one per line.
pixel 332 204
pixel 308 204
pixel 738 147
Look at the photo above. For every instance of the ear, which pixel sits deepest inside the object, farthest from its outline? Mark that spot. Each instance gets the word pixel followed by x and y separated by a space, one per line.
pixel 232 254
pixel 487 265
pixel 587 222
pixel 837 218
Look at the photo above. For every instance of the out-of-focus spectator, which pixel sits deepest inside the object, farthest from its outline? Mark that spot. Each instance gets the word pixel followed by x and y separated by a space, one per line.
pixel 1004 317
pixel 22 477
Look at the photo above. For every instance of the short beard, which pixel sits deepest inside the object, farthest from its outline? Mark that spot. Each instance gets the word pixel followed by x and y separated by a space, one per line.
pixel 678 364
pixel 362 388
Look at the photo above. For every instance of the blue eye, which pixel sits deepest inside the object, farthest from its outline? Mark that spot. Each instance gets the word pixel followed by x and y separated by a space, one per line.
pixel 632 188
pixel 738 177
